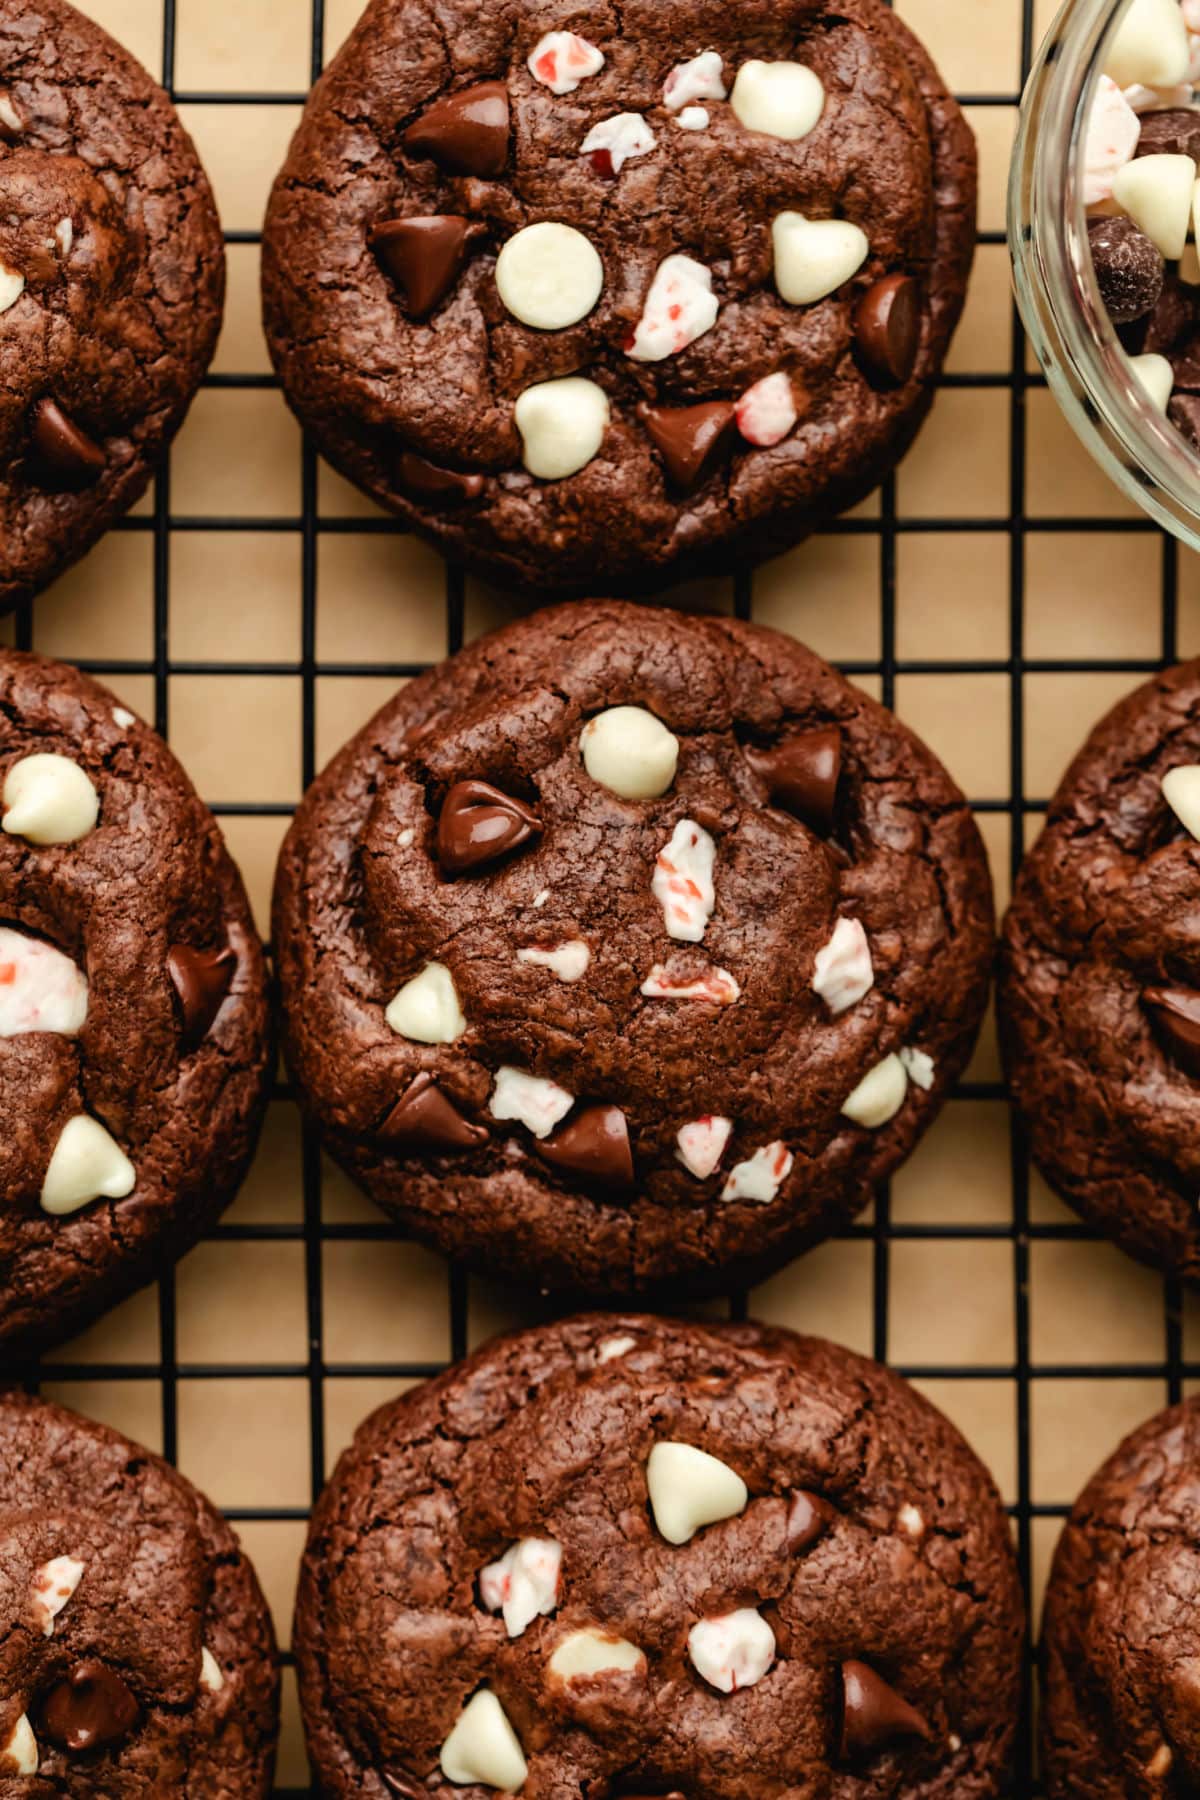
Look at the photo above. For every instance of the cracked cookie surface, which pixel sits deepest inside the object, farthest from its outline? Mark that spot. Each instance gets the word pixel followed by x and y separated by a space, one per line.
pixel 134 1028
pixel 138 1653
pixel 421 328
pixel 855 1558
pixel 627 950
pixel 111 285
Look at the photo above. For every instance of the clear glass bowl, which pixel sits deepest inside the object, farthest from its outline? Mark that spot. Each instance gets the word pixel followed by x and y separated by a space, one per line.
pixel 1076 345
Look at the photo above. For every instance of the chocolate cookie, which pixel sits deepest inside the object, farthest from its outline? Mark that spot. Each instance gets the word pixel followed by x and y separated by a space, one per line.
pixel 134 1032
pixel 112 279
pixel 138 1653
pixel 630 951
pixel 596 306
pixel 1121 1638
pixel 1100 991
pixel 623 1556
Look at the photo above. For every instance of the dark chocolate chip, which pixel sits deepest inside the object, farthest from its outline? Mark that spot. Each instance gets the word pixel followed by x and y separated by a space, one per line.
pixel 809 1518
pixel 426 1120
pixel 423 257
pixel 874 1715
pixel 802 774
pixel 202 979
pixel 595 1145
pixel 887 329
pixel 1130 270
pixel 1175 1016
pixel 93 1707
pixel 1175 132
pixel 64 456
pixel 442 487
pixel 478 824
pixel 692 440
pixel 466 133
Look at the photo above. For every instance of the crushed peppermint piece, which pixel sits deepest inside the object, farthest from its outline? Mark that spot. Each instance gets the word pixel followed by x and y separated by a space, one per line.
pixel 694 118
pixel 524 1583
pixel 1112 137
pixel 766 412
pixel 717 985
pixel 702 1144
pixel 614 1347
pixel 40 988
pixel 538 1104
pixel 406 837
pixel 683 882
pixel 568 961
pixel 761 1177
pixel 540 899
pixel 680 307
pixel 53 1586
pixel 700 79
pixel 919 1066
pixel 562 59
pixel 734 1651
pixel 614 142
pixel 844 972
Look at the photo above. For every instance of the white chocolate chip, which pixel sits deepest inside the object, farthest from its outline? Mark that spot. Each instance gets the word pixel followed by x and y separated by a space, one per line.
pixel 524 1583
pixel 1181 791
pixel 21 1750
pixel 621 139
pixel 693 118
pixel 766 412
pixel 406 838
pixel 689 1488
pixel 594 1653
pixel 426 1010
pixel 761 1176
pixel 9 115
pixel 1150 46
pixel 1112 137
pixel 1161 1763
pixel 562 426
pixel 1157 193
pixel 12 286
pixel 910 1521
pixel 64 237
pixel 734 1651
pixel 122 717
pixel 568 961
pixel 538 1104
pixel 1155 376
pixel 679 308
pixel 919 1066
pixel 540 899
pixel 813 257
pixel 562 59
pixel 40 988
pixel 49 800
pixel 87 1164
pixel 212 1675
pixel 702 78
pixel 782 99
pixel 630 752
pixel 549 276
pixel 715 985
pixel 614 1347
pixel 682 882
pixel 844 972
pixel 53 1586
pixel 879 1095
pixel 702 1144
pixel 483 1748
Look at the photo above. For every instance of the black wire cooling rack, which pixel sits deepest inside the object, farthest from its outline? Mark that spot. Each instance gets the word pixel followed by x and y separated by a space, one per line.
pixel 1019 1231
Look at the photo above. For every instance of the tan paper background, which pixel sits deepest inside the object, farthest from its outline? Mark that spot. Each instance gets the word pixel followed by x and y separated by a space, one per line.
pixel 1000 594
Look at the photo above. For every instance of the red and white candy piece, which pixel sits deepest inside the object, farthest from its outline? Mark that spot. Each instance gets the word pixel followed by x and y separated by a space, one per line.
pixel 589 1652
pixel 427 1010
pixel 12 286
pixel 19 1753
pixel 562 426
pixel 49 800
pixel 702 78
pixel 814 257
pixel 1157 192
pixel 781 99
pixel 734 1651
pixel 533 1101
pixel 568 961
pixel 679 308
pixel 1112 137
pixel 919 1066
pixel 1150 46
pixel 40 988
pixel 483 1748
pixel 702 1144
pixel 614 142
pixel 694 118
pixel 630 752
pixel 524 1583
pixel 879 1095
pixel 549 275
pixel 683 882
pixel 761 1176
pixel 53 1586
pixel 844 971
pixel 766 412
pixel 87 1164
pixel 688 1489
pixel 717 985
pixel 1181 791
pixel 562 59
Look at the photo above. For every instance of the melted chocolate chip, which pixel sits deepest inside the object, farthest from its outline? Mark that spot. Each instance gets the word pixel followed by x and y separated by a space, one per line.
pixel 1130 270
pixel 202 979
pixel 809 1518
pixel 693 441
pixel 423 257
pixel 92 1708
pixel 466 133
pixel 478 823
pixel 1175 1016
pixel 802 774
pixel 426 1120
pixel 874 1715
pixel 595 1146
pixel 65 457
pixel 887 329
pixel 443 487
